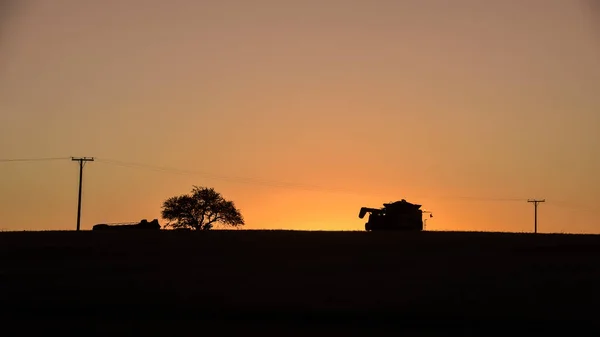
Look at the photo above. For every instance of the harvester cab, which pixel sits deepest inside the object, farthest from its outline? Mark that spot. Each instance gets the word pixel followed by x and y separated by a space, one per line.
pixel 399 215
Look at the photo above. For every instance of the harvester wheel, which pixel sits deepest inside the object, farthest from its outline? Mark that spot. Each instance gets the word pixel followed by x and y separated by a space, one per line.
pixel 368 227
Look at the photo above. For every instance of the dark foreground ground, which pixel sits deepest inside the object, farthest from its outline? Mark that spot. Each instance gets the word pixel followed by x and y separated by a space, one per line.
pixel 299 283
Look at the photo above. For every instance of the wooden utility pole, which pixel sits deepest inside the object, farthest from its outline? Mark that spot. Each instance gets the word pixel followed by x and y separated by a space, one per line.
pixel 535 205
pixel 82 162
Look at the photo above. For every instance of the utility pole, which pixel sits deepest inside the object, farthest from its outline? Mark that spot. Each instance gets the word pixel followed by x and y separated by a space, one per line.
pixel 535 205
pixel 82 162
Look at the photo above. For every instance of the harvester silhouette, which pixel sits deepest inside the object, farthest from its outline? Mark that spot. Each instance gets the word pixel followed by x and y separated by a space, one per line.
pixel 400 215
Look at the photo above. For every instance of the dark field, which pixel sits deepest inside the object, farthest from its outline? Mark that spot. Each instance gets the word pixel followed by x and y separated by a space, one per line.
pixel 318 283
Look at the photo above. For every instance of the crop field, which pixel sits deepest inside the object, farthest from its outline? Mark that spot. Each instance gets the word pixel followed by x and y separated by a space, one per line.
pixel 298 283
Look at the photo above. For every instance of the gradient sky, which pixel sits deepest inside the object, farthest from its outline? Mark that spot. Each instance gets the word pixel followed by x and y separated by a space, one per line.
pixel 427 100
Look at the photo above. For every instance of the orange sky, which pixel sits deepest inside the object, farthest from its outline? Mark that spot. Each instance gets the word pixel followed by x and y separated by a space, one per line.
pixel 414 99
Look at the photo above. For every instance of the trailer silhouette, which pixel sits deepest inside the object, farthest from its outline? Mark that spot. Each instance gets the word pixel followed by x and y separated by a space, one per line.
pixel 398 215
pixel 144 224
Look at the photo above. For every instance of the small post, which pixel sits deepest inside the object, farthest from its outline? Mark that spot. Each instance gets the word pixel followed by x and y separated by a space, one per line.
pixel 425 220
pixel 82 162
pixel 535 205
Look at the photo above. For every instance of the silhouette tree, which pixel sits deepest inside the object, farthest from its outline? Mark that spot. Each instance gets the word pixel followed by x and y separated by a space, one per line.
pixel 200 210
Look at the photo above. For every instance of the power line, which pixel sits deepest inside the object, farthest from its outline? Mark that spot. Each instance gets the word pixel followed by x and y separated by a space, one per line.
pixel 260 181
pixel 572 206
pixel 482 199
pixel 33 159
pixel 281 184
pixel 256 181
pixel 247 180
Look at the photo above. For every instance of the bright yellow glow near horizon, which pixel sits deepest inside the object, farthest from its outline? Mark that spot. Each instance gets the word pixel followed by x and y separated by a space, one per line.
pixel 390 100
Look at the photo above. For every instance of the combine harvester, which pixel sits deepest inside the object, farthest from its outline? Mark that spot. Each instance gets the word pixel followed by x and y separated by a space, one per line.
pixel 397 216
pixel 144 224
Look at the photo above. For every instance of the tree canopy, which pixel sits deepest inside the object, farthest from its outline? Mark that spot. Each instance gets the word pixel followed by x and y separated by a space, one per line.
pixel 200 210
